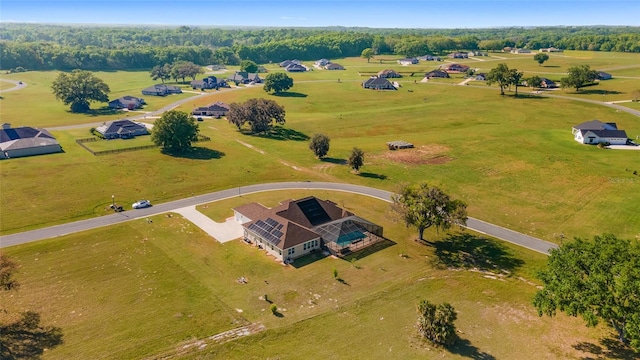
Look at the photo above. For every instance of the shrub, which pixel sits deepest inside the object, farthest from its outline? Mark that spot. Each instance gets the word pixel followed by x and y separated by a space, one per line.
pixel 274 309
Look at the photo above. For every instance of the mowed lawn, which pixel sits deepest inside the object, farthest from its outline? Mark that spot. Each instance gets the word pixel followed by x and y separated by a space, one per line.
pixel 141 289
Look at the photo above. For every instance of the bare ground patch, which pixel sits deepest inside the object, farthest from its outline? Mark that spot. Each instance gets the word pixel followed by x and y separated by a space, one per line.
pixel 421 155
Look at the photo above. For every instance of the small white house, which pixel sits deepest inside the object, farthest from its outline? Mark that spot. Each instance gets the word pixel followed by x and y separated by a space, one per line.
pixel 596 132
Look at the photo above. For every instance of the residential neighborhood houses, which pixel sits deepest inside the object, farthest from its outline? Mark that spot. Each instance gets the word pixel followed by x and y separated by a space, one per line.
pixel 216 109
pixel 122 129
pixel 243 77
pixel 161 90
pixel 210 82
pixel 26 141
pixel 298 227
pixel 596 132
pixel 378 83
pixel 388 73
pixel 127 102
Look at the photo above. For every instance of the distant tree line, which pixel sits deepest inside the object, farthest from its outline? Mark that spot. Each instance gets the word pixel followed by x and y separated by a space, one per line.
pixel 46 47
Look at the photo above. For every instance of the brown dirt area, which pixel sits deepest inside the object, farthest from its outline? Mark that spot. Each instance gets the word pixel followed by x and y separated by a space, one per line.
pixel 421 155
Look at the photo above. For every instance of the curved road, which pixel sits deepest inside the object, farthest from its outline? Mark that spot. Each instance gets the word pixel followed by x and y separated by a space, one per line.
pixel 19 85
pixel 480 226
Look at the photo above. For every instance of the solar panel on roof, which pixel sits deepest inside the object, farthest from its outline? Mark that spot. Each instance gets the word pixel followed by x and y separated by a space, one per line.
pixel 267 230
pixel 279 226
pixel 314 211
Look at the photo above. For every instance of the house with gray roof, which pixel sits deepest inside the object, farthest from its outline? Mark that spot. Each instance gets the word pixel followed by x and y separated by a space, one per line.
pixel 601 75
pixel 333 66
pixel 161 90
pixel 243 77
pixel 298 227
pixel 127 102
pixel 596 132
pixel 295 68
pixel 436 74
pixel 378 83
pixel 26 141
pixel 388 73
pixel 210 82
pixel 216 109
pixel 286 63
pixel 122 129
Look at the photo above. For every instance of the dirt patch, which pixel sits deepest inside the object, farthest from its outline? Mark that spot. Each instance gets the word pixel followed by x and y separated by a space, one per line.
pixel 421 155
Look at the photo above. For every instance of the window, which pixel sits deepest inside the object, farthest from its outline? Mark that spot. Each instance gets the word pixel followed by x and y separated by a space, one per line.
pixel 291 251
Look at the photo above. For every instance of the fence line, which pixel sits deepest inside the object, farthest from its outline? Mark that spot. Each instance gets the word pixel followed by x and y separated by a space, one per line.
pixel 200 138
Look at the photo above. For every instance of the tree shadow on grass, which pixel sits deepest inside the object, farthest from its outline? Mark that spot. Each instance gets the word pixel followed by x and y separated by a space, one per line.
pixel 334 161
pixel 463 347
pixel 102 111
pixel 609 348
pixel 280 133
pixel 369 250
pixel 600 92
pixel 290 94
pixel 551 66
pixel 308 259
pixel 373 176
pixel 466 251
pixel 198 153
pixel 529 96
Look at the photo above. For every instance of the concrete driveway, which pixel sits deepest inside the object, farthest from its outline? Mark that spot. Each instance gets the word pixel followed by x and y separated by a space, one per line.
pixel 223 232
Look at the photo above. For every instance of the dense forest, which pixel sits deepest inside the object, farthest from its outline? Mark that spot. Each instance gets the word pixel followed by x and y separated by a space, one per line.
pixel 47 47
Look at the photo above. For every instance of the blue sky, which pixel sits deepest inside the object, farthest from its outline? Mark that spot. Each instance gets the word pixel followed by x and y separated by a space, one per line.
pixel 366 13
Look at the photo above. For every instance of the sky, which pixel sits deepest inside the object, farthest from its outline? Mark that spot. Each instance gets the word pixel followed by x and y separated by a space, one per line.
pixel 305 13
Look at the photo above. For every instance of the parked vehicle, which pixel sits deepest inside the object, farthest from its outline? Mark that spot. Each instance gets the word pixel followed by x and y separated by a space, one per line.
pixel 141 204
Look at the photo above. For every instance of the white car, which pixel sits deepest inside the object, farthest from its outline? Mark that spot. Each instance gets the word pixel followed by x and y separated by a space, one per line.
pixel 141 204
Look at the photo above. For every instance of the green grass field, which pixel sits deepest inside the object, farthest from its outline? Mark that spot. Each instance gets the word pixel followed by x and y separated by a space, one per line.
pixel 516 155
pixel 140 289
pixel 116 290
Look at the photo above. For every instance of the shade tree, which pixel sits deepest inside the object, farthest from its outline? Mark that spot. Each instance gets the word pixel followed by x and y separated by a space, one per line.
pixel 260 114
pixel 277 82
pixel 598 280
pixel 175 131
pixel 356 159
pixel 424 206
pixel 79 88
pixel 579 76
pixel 540 58
pixel 319 144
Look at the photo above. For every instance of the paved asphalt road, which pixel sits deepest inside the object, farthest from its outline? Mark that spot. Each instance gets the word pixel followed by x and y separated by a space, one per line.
pixel 480 226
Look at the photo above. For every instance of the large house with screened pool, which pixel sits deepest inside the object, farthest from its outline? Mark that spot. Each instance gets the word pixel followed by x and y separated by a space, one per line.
pixel 298 227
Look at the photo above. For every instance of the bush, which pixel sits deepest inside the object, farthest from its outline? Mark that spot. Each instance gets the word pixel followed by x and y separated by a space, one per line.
pixel 274 309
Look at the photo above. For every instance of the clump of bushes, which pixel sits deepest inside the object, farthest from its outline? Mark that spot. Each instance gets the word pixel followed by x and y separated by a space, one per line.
pixel 95 133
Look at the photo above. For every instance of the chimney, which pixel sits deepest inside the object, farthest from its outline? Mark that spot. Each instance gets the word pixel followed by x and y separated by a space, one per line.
pixel 6 126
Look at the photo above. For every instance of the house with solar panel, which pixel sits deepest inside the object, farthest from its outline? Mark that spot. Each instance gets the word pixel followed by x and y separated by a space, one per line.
pixel 297 227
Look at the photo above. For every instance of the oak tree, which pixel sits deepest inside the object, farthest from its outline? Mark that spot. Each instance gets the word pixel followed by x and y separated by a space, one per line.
pixel 598 280
pixel 540 58
pixel 175 131
pixel 277 82
pixel 579 76
pixel 424 206
pixel 79 88
pixel 259 113
pixel 319 144
pixel 356 159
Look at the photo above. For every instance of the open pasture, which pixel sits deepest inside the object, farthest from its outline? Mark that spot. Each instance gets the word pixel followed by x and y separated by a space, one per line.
pixel 512 159
pixel 514 155
pixel 144 289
